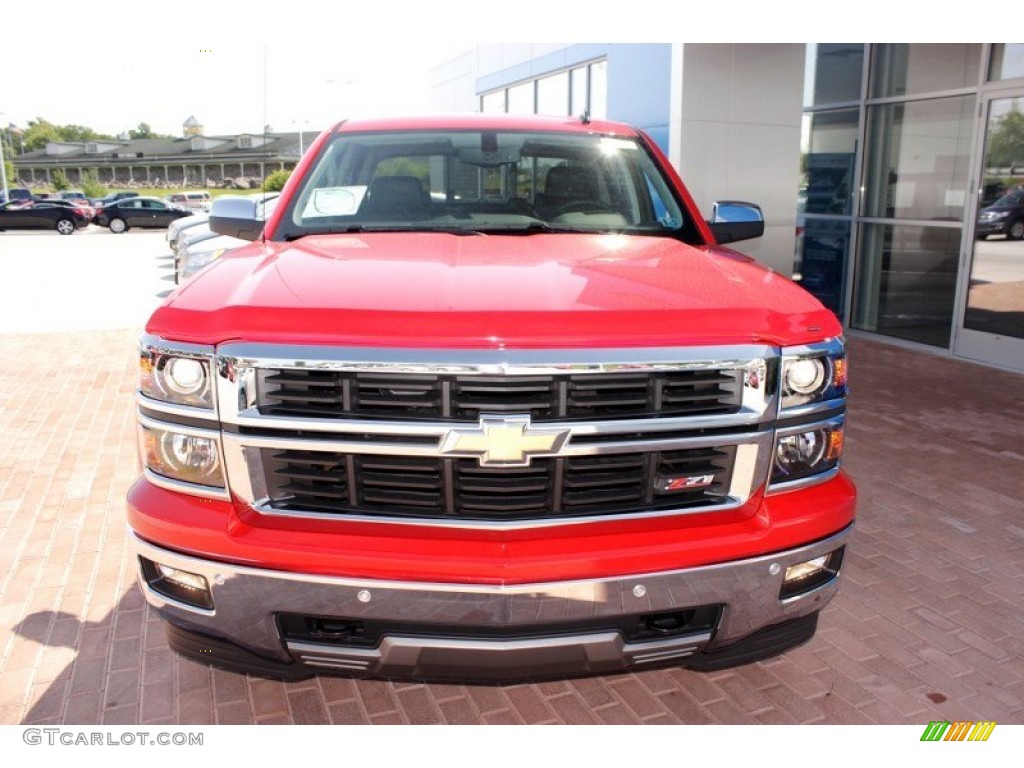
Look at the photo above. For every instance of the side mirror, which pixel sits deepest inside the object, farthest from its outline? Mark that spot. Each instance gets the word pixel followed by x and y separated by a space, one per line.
pixel 236 217
pixel 733 220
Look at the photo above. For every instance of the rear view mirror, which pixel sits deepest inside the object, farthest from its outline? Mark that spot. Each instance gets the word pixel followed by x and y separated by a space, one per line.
pixel 734 220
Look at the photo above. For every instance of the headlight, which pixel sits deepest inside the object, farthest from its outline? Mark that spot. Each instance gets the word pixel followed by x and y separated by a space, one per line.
pixel 813 375
pixel 803 452
pixel 189 456
pixel 179 379
pixel 196 261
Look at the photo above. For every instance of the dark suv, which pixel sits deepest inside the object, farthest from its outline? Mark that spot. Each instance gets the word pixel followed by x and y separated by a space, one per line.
pixel 17 193
pixel 1004 217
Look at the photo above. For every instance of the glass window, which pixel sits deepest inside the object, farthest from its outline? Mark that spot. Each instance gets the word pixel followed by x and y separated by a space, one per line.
pixel 918 158
pixel 833 73
pixel 553 94
pixel 578 101
pixel 830 144
pixel 906 282
pixel 485 181
pixel 822 246
pixel 900 69
pixel 493 102
pixel 599 90
pixel 1007 61
pixel 520 99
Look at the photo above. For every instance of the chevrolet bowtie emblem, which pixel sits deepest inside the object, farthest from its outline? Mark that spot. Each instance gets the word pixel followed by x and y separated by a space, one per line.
pixel 504 441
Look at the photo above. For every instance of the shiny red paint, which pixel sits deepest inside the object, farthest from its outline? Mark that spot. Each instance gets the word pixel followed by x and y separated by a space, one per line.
pixel 425 289
pixel 219 530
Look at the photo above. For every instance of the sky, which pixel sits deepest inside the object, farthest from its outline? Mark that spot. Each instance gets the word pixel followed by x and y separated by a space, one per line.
pixel 238 66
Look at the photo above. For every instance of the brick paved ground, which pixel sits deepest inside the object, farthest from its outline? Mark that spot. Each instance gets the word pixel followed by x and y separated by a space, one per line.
pixel 928 625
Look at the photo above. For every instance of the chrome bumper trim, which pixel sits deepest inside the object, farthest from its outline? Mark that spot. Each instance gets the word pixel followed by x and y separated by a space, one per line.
pixel 246 601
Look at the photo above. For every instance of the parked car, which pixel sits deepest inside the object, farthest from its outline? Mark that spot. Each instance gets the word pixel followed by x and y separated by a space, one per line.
pixel 137 211
pixel 1004 217
pixel 197 201
pixel 73 194
pixel 178 228
pixel 113 197
pixel 16 194
pixel 18 214
pixel 80 204
pixel 200 245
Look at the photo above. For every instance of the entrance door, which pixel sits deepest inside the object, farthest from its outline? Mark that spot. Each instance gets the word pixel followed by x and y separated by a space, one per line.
pixel 991 321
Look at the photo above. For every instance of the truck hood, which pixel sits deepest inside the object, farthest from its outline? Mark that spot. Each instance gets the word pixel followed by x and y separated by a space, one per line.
pixel 491 291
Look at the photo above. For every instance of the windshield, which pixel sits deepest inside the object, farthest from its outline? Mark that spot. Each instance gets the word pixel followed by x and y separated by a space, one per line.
pixel 484 182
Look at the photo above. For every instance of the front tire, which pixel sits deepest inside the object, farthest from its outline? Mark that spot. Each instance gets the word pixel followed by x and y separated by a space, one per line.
pixel 117 226
pixel 65 226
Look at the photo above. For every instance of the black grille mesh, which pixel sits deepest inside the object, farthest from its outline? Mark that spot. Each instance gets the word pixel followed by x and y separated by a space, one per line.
pixel 446 488
pixel 334 394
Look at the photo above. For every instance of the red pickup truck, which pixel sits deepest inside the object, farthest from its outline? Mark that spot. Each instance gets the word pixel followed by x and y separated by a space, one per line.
pixel 485 399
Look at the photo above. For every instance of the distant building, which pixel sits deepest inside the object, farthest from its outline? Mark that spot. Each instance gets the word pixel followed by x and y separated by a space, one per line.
pixel 191 127
pixel 194 160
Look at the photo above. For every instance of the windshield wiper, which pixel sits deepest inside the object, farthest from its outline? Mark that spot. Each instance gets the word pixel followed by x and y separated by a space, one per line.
pixel 362 228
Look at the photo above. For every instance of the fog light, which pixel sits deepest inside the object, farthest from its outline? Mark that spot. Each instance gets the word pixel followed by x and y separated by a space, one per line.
pixel 809 575
pixel 181 586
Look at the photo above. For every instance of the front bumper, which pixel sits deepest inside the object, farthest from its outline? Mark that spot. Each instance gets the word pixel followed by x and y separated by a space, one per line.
pixel 491 632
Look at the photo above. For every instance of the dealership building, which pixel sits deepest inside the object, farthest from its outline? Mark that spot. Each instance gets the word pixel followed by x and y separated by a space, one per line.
pixel 876 165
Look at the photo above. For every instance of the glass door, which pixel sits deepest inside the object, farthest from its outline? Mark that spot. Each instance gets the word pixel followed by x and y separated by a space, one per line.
pixel 991 317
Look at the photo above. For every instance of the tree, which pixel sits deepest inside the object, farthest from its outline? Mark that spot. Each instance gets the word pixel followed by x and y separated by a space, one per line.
pixel 142 132
pixel 1006 141
pixel 59 180
pixel 275 181
pixel 91 185
pixel 9 170
pixel 38 134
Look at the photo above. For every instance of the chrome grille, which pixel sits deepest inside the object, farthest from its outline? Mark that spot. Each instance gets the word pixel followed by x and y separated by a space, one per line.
pixel 345 394
pixel 429 487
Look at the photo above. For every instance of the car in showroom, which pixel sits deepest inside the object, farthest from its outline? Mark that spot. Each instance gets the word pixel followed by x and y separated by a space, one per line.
pixel 18 214
pixel 1003 217
pixel 148 212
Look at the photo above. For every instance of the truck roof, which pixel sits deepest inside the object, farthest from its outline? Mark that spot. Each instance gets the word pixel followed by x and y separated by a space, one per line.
pixel 478 121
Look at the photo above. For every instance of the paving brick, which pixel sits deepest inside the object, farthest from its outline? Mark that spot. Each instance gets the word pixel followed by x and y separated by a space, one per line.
pixel 346 713
pixel 268 697
pixel 234 713
pixel 725 712
pixel 616 714
pixel 684 708
pixel 157 700
pixel 229 687
pixel 638 698
pixel 307 708
pixel 571 710
pixel 458 712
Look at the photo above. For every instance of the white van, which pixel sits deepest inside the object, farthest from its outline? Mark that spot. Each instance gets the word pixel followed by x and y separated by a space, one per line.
pixel 197 201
